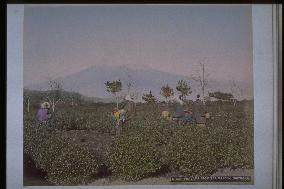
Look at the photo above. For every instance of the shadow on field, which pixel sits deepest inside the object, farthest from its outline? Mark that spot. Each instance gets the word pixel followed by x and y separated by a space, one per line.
pixel 32 175
pixel 103 172
pixel 163 171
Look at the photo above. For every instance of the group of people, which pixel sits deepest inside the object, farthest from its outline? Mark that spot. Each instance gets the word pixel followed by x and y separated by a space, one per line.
pixel 198 114
pixel 127 110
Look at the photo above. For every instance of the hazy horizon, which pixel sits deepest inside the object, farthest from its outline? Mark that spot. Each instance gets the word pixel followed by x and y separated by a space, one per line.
pixel 63 40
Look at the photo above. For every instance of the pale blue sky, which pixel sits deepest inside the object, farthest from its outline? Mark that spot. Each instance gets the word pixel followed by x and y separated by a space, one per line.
pixel 62 40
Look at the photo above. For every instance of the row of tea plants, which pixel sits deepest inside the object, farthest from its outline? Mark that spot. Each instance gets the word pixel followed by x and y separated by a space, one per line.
pixel 81 141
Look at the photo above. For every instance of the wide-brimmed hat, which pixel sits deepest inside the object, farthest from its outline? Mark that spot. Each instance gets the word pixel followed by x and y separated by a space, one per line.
pixel 45 105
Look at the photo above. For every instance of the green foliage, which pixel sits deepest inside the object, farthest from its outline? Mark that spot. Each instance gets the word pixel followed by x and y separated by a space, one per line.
pixel 82 137
pixel 134 157
pixel 236 149
pixel 65 159
pixel 49 148
pixel 62 154
pixel 191 153
pixel 75 165
pixel 184 89
pixel 149 98
pixel 70 120
pixel 167 91
pixel 113 86
pixel 201 151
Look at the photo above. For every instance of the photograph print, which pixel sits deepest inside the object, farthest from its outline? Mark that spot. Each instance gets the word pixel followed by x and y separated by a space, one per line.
pixel 137 95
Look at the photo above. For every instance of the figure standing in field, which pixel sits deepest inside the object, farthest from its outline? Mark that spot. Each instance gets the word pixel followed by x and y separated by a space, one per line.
pixel 178 113
pixel 43 114
pixel 126 113
pixel 116 118
pixel 199 111
pixel 129 108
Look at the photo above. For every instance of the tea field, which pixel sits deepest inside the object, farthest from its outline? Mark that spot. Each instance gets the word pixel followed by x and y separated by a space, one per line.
pixel 80 146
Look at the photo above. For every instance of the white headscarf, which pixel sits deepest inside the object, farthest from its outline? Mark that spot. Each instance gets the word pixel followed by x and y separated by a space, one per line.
pixel 45 105
pixel 178 100
pixel 128 97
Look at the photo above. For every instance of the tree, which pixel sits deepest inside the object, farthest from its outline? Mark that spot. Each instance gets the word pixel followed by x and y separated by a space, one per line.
pixel 184 89
pixel 236 91
pixel 202 78
pixel 27 100
pixel 55 93
pixel 167 91
pixel 149 98
pixel 221 95
pixel 129 81
pixel 131 85
pixel 114 87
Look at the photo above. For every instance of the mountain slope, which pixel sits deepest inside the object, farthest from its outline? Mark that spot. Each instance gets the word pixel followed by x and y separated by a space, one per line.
pixel 90 82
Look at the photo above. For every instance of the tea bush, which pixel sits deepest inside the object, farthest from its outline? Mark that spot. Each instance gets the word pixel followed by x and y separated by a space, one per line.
pixel 233 146
pixel 41 143
pixel 80 141
pixel 50 148
pixel 70 120
pixel 96 118
pixel 191 153
pixel 134 157
pixel 61 154
pixel 201 151
pixel 75 165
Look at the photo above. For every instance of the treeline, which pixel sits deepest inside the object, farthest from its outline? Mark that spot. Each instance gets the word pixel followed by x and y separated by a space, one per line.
pixel 35 97
pixel 183 90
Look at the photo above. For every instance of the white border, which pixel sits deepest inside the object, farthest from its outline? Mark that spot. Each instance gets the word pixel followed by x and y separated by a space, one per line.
pixel 14 96
pixel 263 95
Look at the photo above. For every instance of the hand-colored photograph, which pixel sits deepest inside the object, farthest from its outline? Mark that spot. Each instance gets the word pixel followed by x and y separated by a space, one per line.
pixel 138 95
